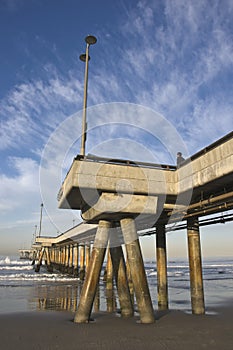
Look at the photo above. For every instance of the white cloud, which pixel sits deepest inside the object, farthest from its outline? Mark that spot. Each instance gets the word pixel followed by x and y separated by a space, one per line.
pixel 17 192
pixel 33 109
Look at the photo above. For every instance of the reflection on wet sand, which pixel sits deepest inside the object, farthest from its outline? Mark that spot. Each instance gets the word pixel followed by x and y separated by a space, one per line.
pixel 66 297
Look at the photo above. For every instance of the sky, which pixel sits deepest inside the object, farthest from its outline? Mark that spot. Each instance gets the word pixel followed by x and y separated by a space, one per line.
pixel 160 80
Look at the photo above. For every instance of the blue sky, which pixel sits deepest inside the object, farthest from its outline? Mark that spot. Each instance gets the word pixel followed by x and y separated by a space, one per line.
pixel 174 58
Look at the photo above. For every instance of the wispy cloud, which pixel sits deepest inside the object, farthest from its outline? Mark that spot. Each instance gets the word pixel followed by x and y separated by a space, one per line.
pixel 175 57
pixel 33 109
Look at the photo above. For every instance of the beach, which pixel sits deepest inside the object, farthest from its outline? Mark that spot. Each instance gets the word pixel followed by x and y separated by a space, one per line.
pixel 172 330
pixel 37 311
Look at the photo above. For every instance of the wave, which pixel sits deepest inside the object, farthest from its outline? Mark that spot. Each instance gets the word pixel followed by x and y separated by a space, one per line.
pixel 36 277
pixel 19 267
pixel 8 261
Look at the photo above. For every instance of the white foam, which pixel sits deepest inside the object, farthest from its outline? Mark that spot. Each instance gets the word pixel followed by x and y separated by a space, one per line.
pixel 36 277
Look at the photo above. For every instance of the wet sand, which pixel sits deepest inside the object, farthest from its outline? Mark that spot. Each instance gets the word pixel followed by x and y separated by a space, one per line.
pixel 48 330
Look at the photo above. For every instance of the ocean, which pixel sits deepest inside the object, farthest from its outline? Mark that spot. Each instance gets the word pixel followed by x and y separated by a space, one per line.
pixel 22 289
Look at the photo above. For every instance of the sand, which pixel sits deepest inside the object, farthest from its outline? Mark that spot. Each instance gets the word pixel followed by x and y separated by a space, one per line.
pixel 48 330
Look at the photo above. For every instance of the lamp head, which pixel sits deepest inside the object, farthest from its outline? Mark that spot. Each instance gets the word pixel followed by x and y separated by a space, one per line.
pixel 83 57
pixel 90 39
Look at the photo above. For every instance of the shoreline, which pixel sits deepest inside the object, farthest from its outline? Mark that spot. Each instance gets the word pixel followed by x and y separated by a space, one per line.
pixel 49 330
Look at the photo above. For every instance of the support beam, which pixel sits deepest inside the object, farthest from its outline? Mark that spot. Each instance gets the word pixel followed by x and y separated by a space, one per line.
pixel 75 271
pixel 39 263
pixel 119 270
pixel 161 256
pixel 82 262
pixel 110 300
pixel 90 284
pixel 87 255
pixel 71 251
pixel 48 260
pixel 67 257
pixel 195 266
pixel 137 270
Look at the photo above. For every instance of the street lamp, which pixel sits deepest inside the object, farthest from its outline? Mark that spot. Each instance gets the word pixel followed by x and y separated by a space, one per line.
pixel 90 40
pixel 41 210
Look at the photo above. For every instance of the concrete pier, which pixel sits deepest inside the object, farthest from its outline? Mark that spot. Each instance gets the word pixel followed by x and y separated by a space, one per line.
pixel 137 271
pixel 70 270
pixel 90 284
pixel 87 255
pixel 76 258
pixel 142 198
pixel 195 266
pixel 119 270
pixel 161 255
pixel 82 262
pixel 110 299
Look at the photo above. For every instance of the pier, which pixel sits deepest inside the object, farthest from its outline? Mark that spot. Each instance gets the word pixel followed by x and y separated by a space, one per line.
pixel 121 201
pixel 25 254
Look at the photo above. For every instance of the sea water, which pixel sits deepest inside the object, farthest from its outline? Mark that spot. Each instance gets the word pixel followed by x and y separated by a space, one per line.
pixel 22 289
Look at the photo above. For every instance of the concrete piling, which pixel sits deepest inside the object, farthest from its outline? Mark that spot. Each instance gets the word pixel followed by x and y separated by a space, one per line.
pixel 97 300
pixel 66 258
pixel 161 256
pixel 70 269
pixel 75 267
pixel 111 305
pixel 82 262
pixel 195 266
pixel 87 255
pixel 90 284
pixel 39 263
pixel 137 270
pixel 48 261
pixel 119 270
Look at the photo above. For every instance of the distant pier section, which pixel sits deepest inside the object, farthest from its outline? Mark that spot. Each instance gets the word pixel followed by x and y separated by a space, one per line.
pixel 25 254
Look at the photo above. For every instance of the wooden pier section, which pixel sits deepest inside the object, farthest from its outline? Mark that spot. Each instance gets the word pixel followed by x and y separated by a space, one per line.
pixel 123 200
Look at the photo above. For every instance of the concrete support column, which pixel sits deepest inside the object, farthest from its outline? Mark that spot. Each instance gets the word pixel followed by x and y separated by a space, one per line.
pixel 87 255
pixel 48 259
pixel 137 270
pixel 75 259
pixel 67 254
pixel 119 270
pixel 130 282
pixel 92 278
pixel 97 300
pixel 53 255
pixel 195 266
pixel 71 259
pixel 63 258
pixel 59 256
pixel 39 263
pixel 111 306
pixel 161 255
pixel 82 262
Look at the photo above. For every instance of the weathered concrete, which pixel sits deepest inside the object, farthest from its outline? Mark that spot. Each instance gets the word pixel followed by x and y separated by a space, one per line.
pixel 110 298
pixel 119 206
pixel 161 255
pixel 119 269
pixel 195 266
pixel 92 278
pixel 86 179
pixel 82 269
pixel 137 271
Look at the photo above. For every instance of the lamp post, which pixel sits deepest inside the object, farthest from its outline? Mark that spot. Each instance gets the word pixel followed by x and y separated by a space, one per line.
pixel 41 210
pixel 90 40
